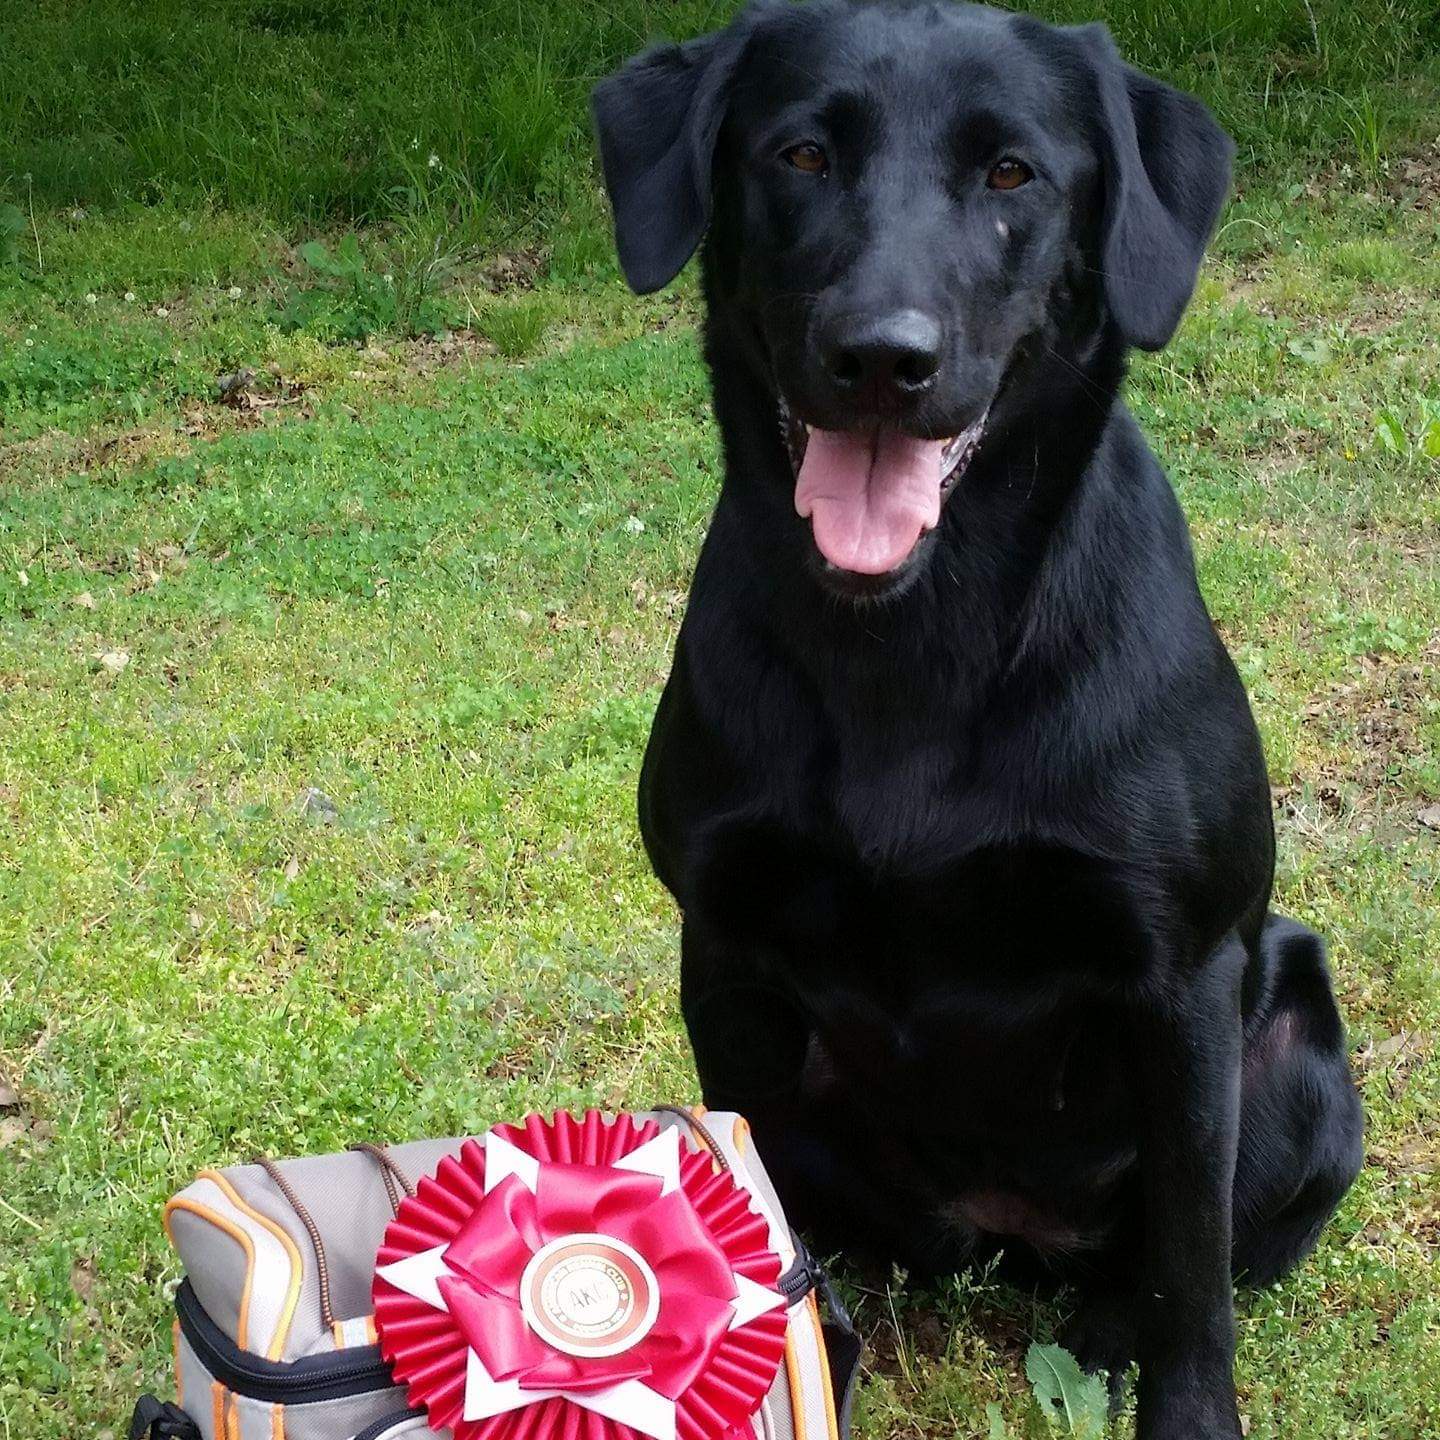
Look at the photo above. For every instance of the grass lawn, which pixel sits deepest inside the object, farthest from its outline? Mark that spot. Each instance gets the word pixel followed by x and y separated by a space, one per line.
pixel 321 712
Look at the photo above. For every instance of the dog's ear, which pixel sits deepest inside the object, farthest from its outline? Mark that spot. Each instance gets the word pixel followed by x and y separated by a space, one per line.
pixel 657 119
pixel 1166 174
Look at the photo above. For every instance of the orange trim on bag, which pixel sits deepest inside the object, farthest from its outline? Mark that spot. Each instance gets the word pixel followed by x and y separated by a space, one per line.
pixel 221 1222
pixel 825 1382
pixel 797 1388
pixel 740 1134
pixel 277 1423
pixel 792 1371
pixel 179 1373
pixel 297 1264
pixel 337 1333
pixel 371 1333
pixel 217 1409
pixel 232 1420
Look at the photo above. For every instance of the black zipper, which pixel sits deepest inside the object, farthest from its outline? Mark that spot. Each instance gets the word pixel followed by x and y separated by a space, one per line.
pixel 293 1382
pixel 800 1279
pixel 808 1274
pixel 377 1428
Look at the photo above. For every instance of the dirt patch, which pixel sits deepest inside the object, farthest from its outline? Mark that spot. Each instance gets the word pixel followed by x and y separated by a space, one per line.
pixel 426 354
pixel 513 270
pixel 1380 311
pixel 1414 180
pixel 1372 723
pixel 1396 1060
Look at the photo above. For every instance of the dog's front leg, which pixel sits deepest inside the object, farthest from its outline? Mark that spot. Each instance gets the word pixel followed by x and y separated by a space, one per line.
pixel 748 1037
pixel 1187 1044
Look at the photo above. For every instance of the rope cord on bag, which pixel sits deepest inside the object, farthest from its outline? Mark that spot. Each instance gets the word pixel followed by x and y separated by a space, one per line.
pixel 698 1126
pixel 389 1169
pixel 322 1267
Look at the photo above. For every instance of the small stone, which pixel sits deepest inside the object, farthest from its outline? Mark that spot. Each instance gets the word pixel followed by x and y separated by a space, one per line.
pixel 85 600
pixel 234 383
pixel 316 805
pixel 1429 817
pixel 112 661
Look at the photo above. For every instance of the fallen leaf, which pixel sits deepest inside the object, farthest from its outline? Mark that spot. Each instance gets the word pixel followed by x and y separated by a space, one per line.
pixel 1066 1394
pixel 85 600
pixel 82 1279
pixel 292 868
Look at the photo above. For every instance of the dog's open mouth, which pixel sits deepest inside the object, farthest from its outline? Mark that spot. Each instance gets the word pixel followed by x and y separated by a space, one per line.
pixel 871 494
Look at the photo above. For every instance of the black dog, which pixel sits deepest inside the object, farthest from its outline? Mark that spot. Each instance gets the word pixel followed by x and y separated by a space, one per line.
pixel 954 782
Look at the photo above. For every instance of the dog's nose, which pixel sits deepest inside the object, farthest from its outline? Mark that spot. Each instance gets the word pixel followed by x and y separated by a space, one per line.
pixel 895 355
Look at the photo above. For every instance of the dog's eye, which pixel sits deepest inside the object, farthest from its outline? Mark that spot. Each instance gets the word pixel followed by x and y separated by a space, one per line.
pixel 1009 174
pixel 809 158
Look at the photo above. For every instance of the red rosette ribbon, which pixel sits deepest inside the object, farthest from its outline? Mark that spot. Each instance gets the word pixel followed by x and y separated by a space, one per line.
pixel 584 1279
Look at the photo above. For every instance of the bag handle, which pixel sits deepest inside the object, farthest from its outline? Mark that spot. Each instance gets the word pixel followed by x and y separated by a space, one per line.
pixel 698 1126
pixel 390 1171
pixel 392 1174
pixel 322 1265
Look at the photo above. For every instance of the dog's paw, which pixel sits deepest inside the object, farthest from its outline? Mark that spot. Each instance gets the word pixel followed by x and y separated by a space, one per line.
pixel 1101 1335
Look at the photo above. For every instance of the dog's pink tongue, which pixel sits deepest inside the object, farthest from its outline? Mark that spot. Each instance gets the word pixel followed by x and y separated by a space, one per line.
pixel 869 498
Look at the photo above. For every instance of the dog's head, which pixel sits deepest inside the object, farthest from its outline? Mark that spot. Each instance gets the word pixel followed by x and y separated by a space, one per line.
pixel 907 204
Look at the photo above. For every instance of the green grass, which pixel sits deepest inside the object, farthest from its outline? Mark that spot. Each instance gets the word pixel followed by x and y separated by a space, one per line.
pixel 468 116
pixel 437 579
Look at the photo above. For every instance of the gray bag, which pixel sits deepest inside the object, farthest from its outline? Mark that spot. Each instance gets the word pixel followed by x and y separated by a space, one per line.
pixel 274 1335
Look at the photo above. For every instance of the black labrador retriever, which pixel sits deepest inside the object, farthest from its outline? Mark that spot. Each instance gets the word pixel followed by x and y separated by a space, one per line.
pixel 954 782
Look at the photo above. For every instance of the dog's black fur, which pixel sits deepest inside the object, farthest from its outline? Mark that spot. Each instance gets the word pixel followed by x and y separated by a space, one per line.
pixel 975 858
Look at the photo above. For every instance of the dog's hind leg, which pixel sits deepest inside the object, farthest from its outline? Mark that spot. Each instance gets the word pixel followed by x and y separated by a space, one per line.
pixel 1301 1129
